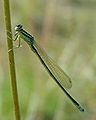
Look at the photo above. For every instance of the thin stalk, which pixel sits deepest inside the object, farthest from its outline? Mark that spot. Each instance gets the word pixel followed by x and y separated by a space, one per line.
pixel 11 59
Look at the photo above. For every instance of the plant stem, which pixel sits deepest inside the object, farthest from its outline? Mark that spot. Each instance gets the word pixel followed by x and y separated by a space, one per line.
pixel 11 59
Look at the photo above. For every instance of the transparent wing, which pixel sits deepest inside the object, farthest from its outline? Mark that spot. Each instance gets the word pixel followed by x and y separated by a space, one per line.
pixel 57 73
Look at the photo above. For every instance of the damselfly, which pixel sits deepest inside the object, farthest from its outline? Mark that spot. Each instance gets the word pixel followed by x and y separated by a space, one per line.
pixel 60 77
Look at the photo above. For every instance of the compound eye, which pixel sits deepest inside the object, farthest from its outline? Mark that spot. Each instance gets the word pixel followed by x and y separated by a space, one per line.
pixel 18 27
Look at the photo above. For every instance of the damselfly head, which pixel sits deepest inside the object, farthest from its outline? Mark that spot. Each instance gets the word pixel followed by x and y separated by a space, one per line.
pixel 18 27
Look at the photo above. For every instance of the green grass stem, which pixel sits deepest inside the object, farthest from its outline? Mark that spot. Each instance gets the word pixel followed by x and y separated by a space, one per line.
pixel 11 59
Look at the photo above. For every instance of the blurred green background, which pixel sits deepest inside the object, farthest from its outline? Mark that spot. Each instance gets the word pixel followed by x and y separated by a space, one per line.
pixel 66 29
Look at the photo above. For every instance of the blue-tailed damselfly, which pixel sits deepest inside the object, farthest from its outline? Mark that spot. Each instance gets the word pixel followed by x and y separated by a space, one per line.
pixel 60 77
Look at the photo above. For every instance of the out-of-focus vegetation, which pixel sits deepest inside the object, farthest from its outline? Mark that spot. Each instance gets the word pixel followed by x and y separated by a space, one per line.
pixel 66 29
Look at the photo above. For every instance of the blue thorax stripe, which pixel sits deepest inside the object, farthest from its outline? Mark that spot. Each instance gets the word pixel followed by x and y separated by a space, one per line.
pixel 26 34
